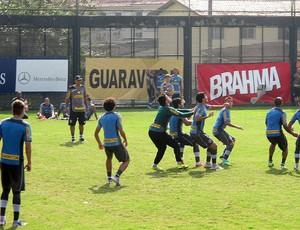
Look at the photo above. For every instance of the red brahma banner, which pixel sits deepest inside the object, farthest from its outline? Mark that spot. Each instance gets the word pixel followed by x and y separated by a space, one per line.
pixel 247 83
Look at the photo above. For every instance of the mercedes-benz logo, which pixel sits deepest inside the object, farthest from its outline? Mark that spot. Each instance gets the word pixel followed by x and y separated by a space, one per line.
pixel 24 78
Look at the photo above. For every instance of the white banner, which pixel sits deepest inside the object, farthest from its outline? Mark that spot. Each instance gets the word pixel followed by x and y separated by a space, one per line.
pixel 42 75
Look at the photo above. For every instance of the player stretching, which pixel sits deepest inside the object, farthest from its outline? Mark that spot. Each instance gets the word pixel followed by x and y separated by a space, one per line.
pixel 275 119
pixel 159 136
pixel 181 137
pixel 197 132
pixel 112 126
pixel 219 132
pixel 296 117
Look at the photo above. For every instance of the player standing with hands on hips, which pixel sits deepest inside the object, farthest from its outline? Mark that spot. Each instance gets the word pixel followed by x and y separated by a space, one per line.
pixel 14 132
pixel 111 122
pixel 76 95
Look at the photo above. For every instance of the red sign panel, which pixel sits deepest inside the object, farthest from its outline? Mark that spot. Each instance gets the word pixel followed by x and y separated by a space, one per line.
pixel 246 83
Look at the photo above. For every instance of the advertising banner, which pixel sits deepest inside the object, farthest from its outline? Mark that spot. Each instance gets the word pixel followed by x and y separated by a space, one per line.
pixel 123 78
pixel 247 83
pixel 7 75
pixel 42 75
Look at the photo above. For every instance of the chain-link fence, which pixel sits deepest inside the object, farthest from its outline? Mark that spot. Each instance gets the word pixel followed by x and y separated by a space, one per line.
pixel 195 31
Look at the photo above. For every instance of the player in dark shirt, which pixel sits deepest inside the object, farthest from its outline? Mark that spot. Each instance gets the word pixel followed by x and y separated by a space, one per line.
pixel 158 131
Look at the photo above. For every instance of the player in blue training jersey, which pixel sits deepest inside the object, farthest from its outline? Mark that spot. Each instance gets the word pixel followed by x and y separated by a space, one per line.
pixel 160 78
pixel 14 132
pixel 111 122
pixel 296 117
pixel 275 119
pixel 197 130
pixel 177 82
pixel 158 131
pixel 181 137
pixel 219 132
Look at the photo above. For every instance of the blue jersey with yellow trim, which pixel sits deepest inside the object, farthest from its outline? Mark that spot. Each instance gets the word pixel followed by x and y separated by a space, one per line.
pixel 163 116
pixel 14 132
pixel 175 126
pixel 296 117
pixel 176 81
pixel 201 111
pixel 224 116
pixel 275 118
pixel 158 82
pixel 110 121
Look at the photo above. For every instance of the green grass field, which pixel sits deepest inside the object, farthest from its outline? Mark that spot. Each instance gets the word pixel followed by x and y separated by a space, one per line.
pixel 67 186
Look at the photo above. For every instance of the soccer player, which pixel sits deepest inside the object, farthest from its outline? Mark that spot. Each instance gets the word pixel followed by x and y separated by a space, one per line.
pixel 176 81
pixel 197 130
pixel 14 132
pixel 76 95
pixel 219 132
pixel 167 87
pixel 91 109
pixel 275 119
pixel 158 131
pixel 19 97
pixel 160 78
pixel 111 122
pixel 181 137
pixel 296 117
pixel 46 109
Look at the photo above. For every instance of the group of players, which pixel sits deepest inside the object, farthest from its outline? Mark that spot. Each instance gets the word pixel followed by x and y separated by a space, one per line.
pixel 176 116
pixel 15 132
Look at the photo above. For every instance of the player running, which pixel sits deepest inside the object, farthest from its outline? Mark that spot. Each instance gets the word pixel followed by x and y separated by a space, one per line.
pixel 219 132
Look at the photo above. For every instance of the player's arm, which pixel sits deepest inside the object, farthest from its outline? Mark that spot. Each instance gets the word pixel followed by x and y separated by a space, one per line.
pixel 201 118
pixel 28 156
pixel 181 89
pixel 234 126
pixel 217 106
pixel 123 135
pixel 96 135
pixel 67 100
pixel 162 91
pixel 186 121
pixel 171 92
pixel 290 131
pixel 52 111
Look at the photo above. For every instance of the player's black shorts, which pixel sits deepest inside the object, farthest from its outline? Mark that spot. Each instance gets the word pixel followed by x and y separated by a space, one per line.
pixel 280 140
pixel 185 139
pixel 202 139
pixel 76 115
pixel 13 177
pixel 224 137
pixel 120 152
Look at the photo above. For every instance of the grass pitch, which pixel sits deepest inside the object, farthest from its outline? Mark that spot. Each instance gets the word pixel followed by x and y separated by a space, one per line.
pixel 67 188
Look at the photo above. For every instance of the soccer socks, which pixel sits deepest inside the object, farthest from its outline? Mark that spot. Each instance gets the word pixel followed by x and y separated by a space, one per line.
pixel 197 156
pixel 118 174
pixel 3 207
pixel 226 154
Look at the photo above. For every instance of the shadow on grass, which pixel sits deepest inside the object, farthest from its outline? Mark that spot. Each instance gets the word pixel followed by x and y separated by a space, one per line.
pixel 295 173
pixel 106 188
pixel 173 172
pixel 72 144
pixel 277 171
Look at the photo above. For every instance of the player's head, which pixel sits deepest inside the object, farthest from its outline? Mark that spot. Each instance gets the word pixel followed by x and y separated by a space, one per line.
pixel 164 100
pixel 200 96
pixel 18 107
pixel 228 101
pixel 167 77
pixel 109 104
pixel 18 94
pixel 278 101
pixel 177 102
